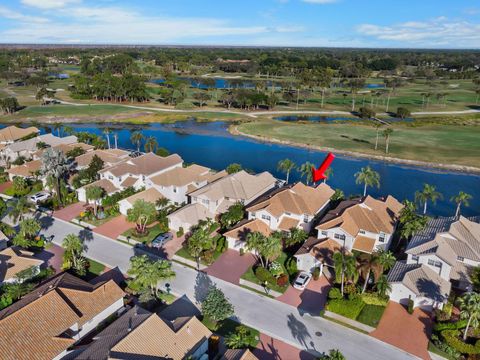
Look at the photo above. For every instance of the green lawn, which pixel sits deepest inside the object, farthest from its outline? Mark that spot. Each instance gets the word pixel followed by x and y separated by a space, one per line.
pixel 431 142
pixel 97 222
pixel 152 233
pixel 183 252
pixel 95 267
pixel 249 275
pixel 228 326
pixel 371 315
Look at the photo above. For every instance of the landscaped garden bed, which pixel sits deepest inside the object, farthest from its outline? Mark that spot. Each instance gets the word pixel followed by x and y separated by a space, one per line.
pixel 151 233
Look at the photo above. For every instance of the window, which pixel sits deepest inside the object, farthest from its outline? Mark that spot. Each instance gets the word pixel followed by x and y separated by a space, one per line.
pixel 324 232
pixel 253 215
pixel 381 237
pixel 266 217
pixel 287 213
pixel 339 236
pixel 305 218
pixel 110 177
pixel 174 189
pixel 460 258
pixel 438 264
pixel 362 232
pixel 415 258
pixel 431 262
pixel 206 201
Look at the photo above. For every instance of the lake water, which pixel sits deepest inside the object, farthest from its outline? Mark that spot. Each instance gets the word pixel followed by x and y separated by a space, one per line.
pixel 210 144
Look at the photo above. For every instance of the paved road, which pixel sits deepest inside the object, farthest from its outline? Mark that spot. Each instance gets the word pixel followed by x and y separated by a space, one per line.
pixel 272 317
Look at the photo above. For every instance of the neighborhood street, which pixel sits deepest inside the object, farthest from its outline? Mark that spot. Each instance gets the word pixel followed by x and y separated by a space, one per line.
pixel 271 317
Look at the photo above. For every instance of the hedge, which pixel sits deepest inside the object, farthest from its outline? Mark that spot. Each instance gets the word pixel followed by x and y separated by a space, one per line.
pixel 452 337
pixel 348 308
pixel 450 325
pixel 374 299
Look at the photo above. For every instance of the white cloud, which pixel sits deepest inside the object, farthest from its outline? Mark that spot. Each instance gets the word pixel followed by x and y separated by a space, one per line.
pixel 13 15
pixel 49 4
pixel 439 32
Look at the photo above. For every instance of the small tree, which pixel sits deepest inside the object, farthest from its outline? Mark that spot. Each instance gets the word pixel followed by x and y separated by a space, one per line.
pixel 366 112
pixel 240 339
pixel 403 113
pixel 26 236
pixel 141 214
pixel 94 193
pixel 201 239
pixel 216 306
pixel 233 168
pixel 234 214
pixel 148 273
pixel 333 354
pixel 72 257
pixel 470 310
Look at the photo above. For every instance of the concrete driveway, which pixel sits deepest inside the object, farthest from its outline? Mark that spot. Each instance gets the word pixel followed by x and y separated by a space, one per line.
pixel 407 332
pixel 70 212
pixel 114 228
pixel 230 266
pixel 311 300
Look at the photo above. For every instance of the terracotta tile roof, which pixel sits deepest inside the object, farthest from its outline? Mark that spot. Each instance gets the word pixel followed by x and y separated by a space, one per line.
pixel 150 195
pixel 14 133
pixel 107 156
pixel 192 214
pixel 324 251
pixel 287 223
pixel 129 181
pixel 368 214
pixel 105 184
pixel 241 232
pixel 238 354
pixel 146 164
pixel 14 260
pixel 298 199
pixel 238 186
pixel 158 338
pixel 364 244
pixel 181 176
pixel 36 327
pixel 27 169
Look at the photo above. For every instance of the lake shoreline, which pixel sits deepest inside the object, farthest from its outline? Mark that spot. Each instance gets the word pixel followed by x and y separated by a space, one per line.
pixel 471 170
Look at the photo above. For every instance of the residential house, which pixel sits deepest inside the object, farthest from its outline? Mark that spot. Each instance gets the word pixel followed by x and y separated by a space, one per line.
pixel 30 169
pixel 151 195
pixel 177 183
pixel 448 248
pixel 10 134
pixel 318 253
pixel 107 185
pixel 294 206
pixel 216 197
pixel 64 148
pixel 140 334
pixel 188 216
pixel 110 157
pixel 135 171
pixel 238 354
pixel 237 237
pixel 365 224
pixel 14 261
pixel 46 322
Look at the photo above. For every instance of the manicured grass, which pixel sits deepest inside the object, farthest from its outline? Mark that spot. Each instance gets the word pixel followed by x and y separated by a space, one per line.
pixel 152 233
pixel 95 267
pixel 432 142
pixel 249 275
pixel 71 110
pixel 432 348
pixel 183 252
pixel 371 315
pixel 167 298
pixel 228 326
pixel 97 222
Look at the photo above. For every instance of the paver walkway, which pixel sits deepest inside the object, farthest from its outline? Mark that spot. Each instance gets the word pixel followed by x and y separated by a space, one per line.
pixel 407 332
pixel 230 266
pixel 273 349
pixel 114 228
pixel 311 300
pixel 70 212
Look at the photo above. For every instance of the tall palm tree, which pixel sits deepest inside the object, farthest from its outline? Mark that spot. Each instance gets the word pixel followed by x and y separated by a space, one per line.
pixel 151 144
pixel 115 139
pixel 387 133
pixel 368 264
pixel 386 260
pixel 136 138
pixel 72 257
pixel 56 166
pixel 254 242
pixel 470 309
pixel 377 126
pixel 383 286
pixel 345 268
pixel 106 132
pixel 94 193
pixel 285 166
pixel 305 171
pixel 461 199
pixel 19 208
pixel 58 127
pixel 328 174
pixel 429 192
pixel 147 273
pixel 368 177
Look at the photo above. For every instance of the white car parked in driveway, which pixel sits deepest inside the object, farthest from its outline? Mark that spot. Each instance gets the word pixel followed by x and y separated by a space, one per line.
pixel 302 280
pixel 39 197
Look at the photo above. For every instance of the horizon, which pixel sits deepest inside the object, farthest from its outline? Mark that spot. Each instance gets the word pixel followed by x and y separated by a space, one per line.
pixel 348 24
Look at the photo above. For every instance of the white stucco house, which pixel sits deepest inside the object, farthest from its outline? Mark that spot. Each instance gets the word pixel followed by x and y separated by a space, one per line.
pixel 14 261
pixel 151 195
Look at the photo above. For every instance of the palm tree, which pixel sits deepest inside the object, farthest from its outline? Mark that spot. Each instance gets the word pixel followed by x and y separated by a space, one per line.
pixel 305 171
pixel 141 213
pixel 56 166
pixel 115 139
pixel 461 199
pixel 383 286
pixel 106 132
pixel 147 273
pixel 94 193
pixel 28 229
pixel 286 166
pixel 58 127
pixel 151 144
pixel 351 268
pixel 271 248
pixel 253 242
pixel 19 208
pixel 377 126
pixel 386 133
pixel 368 177
pixel 295 236
pixel 136 138
pixel 72 257
pixel 345 268
pixel 386 260
pixel 367 264
pixel 429 192
pixel 470 309
pixel 328 174
pixel 67 129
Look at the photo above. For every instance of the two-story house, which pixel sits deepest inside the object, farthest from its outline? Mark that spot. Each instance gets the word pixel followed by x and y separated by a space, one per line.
pixel 365 224
pixel 110 157
pixel 46 322
pixel 216 197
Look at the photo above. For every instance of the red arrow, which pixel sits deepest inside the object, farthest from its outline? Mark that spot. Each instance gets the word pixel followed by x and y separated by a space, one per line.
pixel 319 174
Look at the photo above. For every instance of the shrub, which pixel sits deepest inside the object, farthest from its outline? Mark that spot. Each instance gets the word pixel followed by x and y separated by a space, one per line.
pixel 242 251
pixel 445 314
pixel 291 266
pixel 348 308
pixel 186 105
pixel 410 306
pixel 374 299
pixel 263 275
pixel 403 112
pixel 316 273
pixel 115 198
pixel 350 289
pixel 282 280
pixel 452 339
pixel 221 245
pixel 180 232
pixel 450 325
pixel 276 268
pixel 335 293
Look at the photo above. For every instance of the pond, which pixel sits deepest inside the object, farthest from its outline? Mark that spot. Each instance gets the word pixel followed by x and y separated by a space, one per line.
pixel 211 144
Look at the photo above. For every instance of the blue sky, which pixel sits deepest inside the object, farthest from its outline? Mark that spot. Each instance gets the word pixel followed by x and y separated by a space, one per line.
pixel 332 23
